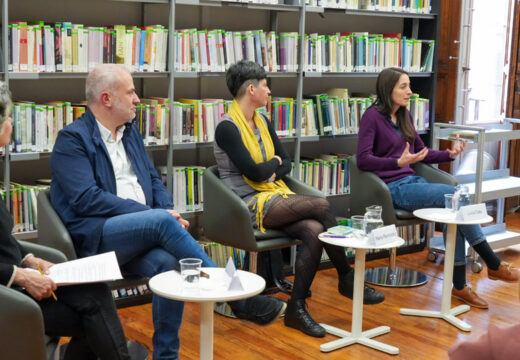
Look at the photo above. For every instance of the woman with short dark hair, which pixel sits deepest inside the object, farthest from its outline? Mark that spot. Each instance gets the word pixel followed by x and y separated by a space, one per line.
pixel 252 162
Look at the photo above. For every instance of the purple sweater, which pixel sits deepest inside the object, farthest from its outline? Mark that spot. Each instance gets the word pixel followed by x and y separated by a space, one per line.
pixel 379 147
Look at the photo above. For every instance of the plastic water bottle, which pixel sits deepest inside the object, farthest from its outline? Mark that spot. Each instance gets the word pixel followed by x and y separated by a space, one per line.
pixel 461 197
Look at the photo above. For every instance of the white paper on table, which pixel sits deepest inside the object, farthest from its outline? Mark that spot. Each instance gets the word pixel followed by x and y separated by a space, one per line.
pixel 97 268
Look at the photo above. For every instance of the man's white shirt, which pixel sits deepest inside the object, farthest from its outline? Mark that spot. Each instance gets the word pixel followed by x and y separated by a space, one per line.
pixel 127 185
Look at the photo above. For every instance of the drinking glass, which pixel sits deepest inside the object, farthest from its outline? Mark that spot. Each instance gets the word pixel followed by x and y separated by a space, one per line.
pixel 190 273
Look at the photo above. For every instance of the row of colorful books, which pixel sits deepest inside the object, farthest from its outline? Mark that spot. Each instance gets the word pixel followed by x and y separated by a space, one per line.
pixel 412 235
pixel 153 120
pixel 36 46
pixel 365 52
pixel 195 120
pixel 187 187
pixel 23 205
pixel 328 173
pixel 216 50
pixel 36 126
pixel 220 254
pixel 335 112
pixel 407 6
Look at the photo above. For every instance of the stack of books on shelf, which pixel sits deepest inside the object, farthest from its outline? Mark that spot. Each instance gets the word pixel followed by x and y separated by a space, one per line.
pixel 220 254
pixel 406 6
pixel 328 173
pixel 23 206
pixel 412 235
pixel 65 47
pixel 364 52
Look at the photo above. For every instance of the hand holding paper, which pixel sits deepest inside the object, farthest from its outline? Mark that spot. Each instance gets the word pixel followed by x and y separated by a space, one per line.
pixel 97 268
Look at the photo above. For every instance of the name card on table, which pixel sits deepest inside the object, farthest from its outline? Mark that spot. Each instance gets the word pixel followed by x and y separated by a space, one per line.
pixel 472 212
pixel 232 273
pixel 383 235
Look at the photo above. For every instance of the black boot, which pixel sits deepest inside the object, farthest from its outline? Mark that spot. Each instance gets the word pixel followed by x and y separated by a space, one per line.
pixel 260 309
pixel 346 288
pixel 296 316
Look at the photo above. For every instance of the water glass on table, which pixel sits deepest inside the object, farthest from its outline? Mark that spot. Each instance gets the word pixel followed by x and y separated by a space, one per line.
pixel 190 273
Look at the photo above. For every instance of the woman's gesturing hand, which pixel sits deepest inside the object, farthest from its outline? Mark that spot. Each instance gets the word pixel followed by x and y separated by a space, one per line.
pixel 457 148
pixel 408 158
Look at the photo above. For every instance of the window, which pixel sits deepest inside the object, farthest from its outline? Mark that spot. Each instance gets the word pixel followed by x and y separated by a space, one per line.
pixel 489 56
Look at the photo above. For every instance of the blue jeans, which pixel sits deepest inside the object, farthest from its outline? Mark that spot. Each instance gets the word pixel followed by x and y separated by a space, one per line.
pixel 148 243
pixel 414 192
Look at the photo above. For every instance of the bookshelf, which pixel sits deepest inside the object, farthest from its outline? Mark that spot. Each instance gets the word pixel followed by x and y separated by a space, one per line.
pixel 172 84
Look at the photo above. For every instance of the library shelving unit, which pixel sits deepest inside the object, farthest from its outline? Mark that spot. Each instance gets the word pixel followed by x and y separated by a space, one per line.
pixel 209 14
pixel 487 185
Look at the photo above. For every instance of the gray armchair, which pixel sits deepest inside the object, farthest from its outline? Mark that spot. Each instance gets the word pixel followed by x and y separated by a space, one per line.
pixel 227 220
pixel 53 233
pixel 22 331
pixel 367 189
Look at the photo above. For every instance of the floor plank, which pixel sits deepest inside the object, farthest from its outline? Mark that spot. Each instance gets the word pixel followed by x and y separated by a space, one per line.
pixel 417 338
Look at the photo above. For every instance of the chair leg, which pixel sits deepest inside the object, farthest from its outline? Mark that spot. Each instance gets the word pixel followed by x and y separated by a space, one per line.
pixel 253 261
pixel 393 254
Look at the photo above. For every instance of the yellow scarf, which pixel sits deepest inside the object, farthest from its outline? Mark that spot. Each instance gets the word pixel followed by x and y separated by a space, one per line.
pixel 266 190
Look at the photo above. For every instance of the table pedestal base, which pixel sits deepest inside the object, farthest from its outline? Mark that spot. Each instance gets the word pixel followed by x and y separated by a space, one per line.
pixel 206 330
pixel 364 338
pixel 448 316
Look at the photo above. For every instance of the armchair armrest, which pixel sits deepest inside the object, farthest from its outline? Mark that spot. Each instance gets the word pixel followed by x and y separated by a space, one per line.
pixel 44 252
pixel 223 209
pixel 21 330
pixel 302 188
pixel 434 175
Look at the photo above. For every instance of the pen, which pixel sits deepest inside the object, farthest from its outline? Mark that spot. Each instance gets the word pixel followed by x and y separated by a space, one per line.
pixel 334 236
pixel 52 292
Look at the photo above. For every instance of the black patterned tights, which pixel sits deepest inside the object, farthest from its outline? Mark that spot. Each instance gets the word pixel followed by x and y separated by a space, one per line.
pixel 304 217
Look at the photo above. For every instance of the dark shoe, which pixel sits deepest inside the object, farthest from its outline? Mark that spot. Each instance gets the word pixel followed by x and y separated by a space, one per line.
pixel 470 297
pixel 346 288
pixel 298 318
pixel 259 309
pixel 505 272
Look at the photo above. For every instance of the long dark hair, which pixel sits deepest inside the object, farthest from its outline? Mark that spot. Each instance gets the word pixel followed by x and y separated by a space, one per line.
pixel 384 86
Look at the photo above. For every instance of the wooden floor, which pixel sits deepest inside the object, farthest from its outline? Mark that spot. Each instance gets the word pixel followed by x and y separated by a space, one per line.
pixel 416 338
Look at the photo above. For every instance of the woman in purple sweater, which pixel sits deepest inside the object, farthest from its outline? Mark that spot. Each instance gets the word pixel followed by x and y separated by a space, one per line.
pixel 388 144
